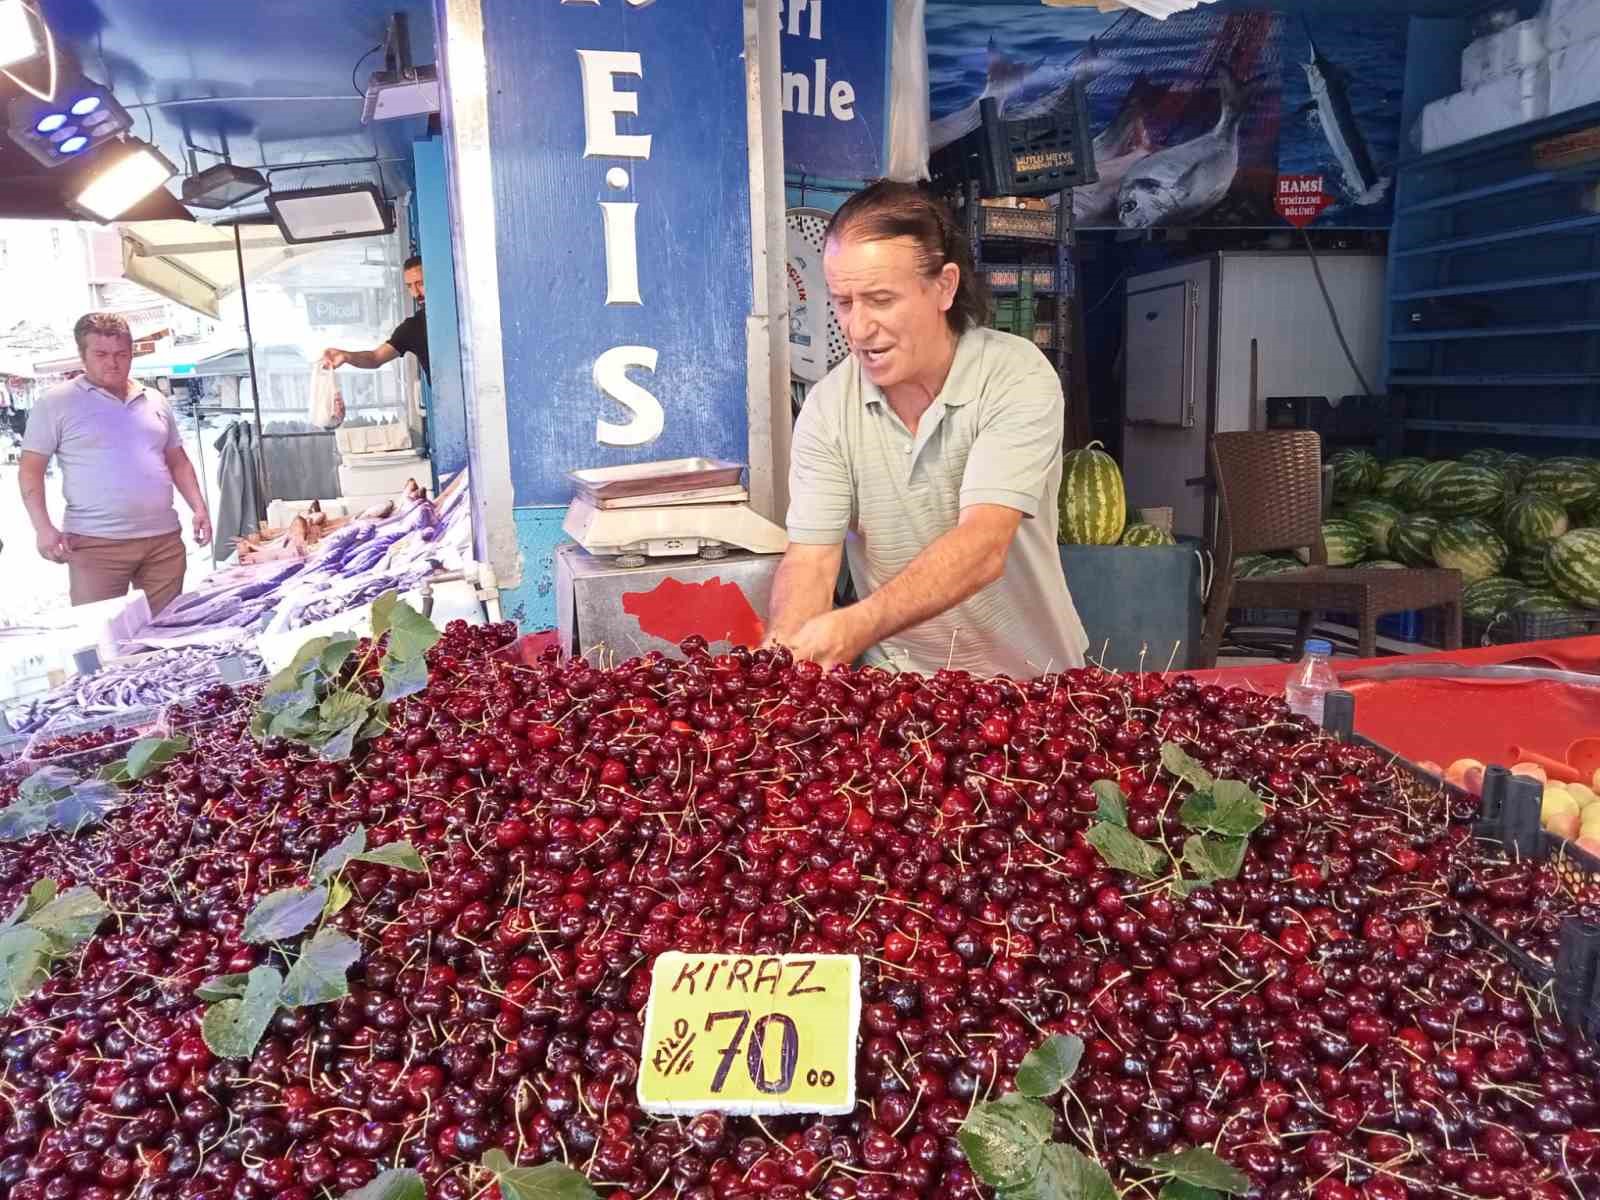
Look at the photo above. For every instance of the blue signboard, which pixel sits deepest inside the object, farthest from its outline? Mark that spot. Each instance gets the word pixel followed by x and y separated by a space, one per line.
pixel 835 87
pixel 622 197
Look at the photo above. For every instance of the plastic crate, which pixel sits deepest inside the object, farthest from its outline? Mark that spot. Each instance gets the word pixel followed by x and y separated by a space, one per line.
pixel 1026 224
pixel 1008 277
pixel 1540 627
pixel 1573 980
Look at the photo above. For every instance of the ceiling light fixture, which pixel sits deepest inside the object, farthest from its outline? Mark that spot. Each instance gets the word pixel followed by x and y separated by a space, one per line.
pixel 223 186
pixel 19 34
pixel 400 89
pixel 330 214
pixel 84 116
pixel 121 177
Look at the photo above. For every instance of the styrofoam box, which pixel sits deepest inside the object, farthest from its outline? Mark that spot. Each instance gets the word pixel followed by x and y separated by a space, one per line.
pixel 372 439
pixel 1575 75
pixel 1499 104
pixel 1513 49
pixel 383 474
pixel 1570 21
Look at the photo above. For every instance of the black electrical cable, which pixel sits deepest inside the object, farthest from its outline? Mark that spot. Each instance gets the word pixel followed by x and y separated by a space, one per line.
pixel 1110 291
pixel 1333 315
pixel 356 70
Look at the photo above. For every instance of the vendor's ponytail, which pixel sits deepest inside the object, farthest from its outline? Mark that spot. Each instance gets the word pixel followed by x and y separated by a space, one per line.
pixel 888 209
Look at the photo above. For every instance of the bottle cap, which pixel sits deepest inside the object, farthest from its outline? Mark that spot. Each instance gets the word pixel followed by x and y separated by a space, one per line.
pixel 1318 646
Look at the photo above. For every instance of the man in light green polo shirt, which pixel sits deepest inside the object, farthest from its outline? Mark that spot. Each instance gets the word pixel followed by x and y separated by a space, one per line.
pixel 933 456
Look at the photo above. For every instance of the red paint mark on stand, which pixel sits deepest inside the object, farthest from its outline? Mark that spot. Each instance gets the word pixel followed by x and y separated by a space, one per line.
pixel 717 611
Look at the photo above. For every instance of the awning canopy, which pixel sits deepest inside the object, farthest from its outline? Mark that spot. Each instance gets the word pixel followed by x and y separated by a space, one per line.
pixel 196 265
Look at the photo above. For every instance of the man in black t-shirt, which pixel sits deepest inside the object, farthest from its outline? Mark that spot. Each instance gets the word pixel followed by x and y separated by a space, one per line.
pixel 410 336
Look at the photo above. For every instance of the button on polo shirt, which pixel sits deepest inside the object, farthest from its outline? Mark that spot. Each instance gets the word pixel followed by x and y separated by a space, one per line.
pixel 992 436
pixel 113 455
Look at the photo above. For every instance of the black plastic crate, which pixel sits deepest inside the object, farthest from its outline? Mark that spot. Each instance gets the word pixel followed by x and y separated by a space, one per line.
pixel 1540 627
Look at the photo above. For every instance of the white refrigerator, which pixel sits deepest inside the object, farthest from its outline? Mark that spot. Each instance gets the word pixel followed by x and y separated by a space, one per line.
pixel 1207 341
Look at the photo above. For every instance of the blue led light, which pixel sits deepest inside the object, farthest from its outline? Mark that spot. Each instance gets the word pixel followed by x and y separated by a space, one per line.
pixel 85 106
pixel 51 123
pixel 73 144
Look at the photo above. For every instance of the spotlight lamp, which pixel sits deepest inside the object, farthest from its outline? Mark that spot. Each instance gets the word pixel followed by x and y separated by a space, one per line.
pixel 118 178
pixel 83 115
pixel 20 33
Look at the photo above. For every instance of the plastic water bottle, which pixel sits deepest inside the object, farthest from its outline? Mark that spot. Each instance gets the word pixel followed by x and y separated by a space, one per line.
pixel 1311 681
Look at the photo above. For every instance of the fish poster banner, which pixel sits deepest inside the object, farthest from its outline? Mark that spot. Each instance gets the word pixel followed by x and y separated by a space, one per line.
pixel 1205 119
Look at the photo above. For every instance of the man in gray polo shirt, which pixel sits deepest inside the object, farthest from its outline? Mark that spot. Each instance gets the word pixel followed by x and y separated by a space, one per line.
pixel 121 456
pixel 936 447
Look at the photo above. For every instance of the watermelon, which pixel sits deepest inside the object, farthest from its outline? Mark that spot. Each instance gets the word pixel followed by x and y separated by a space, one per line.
pixel 1141 534
pixel 1355 473
pixel 1532 566
pixel 1486 456
pixel 1414 490
pixel 1515 468
pixel 1533 520
pixel 1488 598
pixel 1411 540
pixel 1345 542
pixel 1093 504
pixel 1586 516
pixel 1570 480
pixel 1375 518
pixel 1472 547
pixel 1544 603
pixel 1575 567
pixel 1249 566
pixel 1384 564
pixel 1463 489
pixel 1395 473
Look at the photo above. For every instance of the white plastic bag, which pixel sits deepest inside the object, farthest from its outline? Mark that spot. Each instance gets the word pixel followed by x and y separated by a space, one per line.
pixel 327 405
pixel 908 93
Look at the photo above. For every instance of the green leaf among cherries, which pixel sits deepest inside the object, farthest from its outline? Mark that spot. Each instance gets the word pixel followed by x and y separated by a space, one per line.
pixel 397 1184
pixel 548 1181
pixel 1048 1066
pixel 43 929
pixel 1222 812
pixel 320 701
pixel 1201 1169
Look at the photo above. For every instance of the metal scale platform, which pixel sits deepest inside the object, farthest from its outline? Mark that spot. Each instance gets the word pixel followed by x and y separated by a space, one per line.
pixel 675 509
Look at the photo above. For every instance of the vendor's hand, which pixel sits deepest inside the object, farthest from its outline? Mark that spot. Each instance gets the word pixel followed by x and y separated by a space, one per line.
pixel 202 529
pixel 333 359
pixel 828 640
pixel 53 545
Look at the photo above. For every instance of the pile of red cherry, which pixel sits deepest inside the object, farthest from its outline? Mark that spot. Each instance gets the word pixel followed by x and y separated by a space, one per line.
pixel 1326 1020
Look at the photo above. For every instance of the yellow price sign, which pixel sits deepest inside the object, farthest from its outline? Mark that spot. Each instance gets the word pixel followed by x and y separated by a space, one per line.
pixel 751 1033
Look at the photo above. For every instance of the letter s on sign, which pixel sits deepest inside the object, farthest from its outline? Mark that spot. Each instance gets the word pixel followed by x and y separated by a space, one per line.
pixel 611 377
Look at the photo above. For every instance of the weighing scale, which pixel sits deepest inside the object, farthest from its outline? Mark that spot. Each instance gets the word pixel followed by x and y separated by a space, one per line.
pixel 677 508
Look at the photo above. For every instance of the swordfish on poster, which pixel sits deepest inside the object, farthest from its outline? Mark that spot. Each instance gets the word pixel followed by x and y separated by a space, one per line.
pixel 1331 101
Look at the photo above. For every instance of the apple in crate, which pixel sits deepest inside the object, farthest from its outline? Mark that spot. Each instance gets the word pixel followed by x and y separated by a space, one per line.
pixel 1532 771
pixel 1560 812
pixel 1466 774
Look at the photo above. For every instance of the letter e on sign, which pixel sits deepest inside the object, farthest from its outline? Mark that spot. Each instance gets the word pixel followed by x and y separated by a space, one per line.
pixel 603 103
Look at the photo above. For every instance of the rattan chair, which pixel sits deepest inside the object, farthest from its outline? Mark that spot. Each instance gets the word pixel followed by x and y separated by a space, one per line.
pixel 1269 488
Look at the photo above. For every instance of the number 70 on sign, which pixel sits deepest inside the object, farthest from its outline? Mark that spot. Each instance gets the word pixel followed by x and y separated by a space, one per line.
pixel 751 1034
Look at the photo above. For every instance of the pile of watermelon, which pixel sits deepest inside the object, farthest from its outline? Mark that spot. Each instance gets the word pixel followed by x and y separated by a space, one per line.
pixel 1093 504
pixel 1523 532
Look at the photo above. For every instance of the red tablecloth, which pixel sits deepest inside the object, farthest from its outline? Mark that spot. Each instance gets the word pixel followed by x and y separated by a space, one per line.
pixel 1445 719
